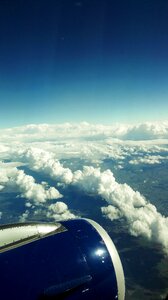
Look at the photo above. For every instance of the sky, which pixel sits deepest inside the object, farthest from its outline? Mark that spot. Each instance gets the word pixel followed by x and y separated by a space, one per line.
pixel 100 61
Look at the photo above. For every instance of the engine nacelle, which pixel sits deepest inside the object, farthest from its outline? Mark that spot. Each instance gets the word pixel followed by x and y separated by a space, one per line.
pixel 73 259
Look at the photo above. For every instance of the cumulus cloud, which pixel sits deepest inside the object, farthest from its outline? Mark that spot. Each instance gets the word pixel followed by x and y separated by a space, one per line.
pixel 84 140
pixel 111 212
pixel 142 217
pixel 84 130
pixel 150 159
pixel 43 161
pixel 40 146
pixel 59 211
pixel 87 141
pixel 24 216
pixel 13 179
pixel 148 131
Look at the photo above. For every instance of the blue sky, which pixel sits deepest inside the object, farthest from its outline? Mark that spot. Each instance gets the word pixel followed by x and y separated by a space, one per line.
pixel 100 61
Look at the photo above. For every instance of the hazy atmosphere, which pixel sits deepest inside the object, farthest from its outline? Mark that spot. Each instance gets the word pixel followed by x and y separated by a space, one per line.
pixel 84 126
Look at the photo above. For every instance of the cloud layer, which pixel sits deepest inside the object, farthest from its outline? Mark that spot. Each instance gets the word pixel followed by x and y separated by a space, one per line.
pixel 84 130
pixel 142 217
pixel 41 148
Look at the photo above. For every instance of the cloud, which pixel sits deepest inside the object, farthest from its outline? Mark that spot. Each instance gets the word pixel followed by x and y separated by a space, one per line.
pixel 43 161
pixel 142 217
pixel 59 211
pixel 149 159
pixel 40 146
pixel 87 141
pixel 148 131
pixel 56 211
pixel 86 131
pixel 111 212
pixel 12 179
pixel 84 140
pixel 24 216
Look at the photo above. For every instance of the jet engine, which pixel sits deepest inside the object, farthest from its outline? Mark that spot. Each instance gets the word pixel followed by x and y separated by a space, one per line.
pixel 74 259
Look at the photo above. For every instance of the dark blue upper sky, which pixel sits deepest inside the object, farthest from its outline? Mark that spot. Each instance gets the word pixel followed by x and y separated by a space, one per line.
pixel 95 60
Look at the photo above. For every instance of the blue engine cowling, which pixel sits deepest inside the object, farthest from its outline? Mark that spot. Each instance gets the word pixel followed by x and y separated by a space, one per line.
pixel 79 261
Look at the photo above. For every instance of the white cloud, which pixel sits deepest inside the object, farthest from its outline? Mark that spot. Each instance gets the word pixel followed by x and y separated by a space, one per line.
pixel 150 159
pixel 14 179
pixel 59 211
pixel 38 146
pixel 84 140
pixel 111 212
pixel 28 204
pixel 24 216
pixel 148 131
pixel 142 217
pixel 40 160
pixel 86 131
